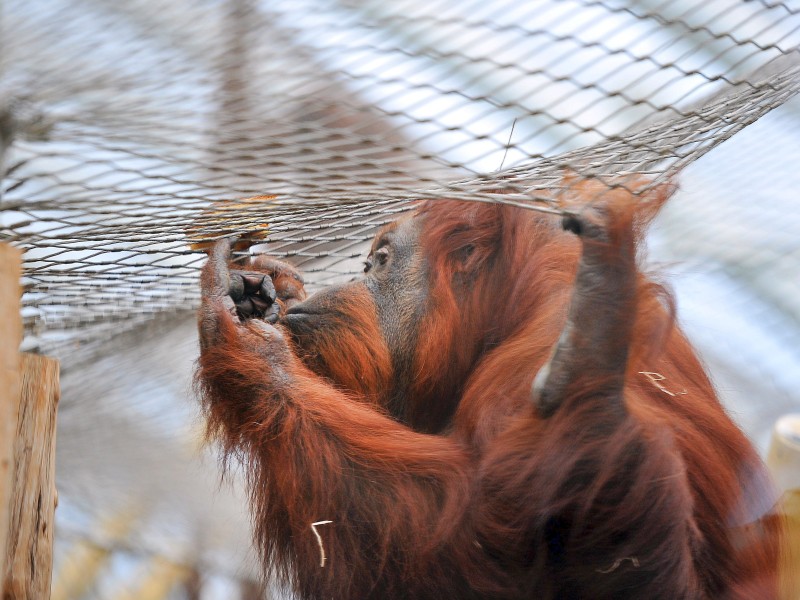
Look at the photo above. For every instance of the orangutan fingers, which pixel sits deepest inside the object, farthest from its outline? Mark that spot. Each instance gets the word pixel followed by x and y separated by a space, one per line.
pixel 592 350
pixel 591 223
pixel 214 310
pixel 253 293
pixel 272 313
pixel 248 283
pixel 267 290
pixel 215 286
pixel 245 308
pixel 288 282
pixel 276 267
pixel 236 287
pixel 215 279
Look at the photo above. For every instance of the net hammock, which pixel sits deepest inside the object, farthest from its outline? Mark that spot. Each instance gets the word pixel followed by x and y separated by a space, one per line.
pixel 134 133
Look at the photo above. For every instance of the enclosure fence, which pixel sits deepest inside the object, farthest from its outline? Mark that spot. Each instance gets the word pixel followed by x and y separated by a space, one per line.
pixel 133 134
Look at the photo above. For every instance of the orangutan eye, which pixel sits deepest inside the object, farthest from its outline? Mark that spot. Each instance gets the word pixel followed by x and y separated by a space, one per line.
pixel 382 255
pixel 367 265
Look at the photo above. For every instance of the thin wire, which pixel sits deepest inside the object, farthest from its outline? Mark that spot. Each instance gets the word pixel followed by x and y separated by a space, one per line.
pixel 508 144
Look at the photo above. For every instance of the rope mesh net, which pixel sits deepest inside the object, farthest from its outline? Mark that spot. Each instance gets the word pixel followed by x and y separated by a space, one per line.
pixel 137 128
pixel 134 133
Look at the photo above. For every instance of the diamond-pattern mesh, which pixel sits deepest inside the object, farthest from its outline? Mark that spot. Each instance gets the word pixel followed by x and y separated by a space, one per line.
pixel 133 133
pixel 139 128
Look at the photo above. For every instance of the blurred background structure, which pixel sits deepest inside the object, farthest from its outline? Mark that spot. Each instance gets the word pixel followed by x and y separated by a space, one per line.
pixel 129 130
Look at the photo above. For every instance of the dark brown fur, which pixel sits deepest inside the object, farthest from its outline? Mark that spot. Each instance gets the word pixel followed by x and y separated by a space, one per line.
pixel 402 407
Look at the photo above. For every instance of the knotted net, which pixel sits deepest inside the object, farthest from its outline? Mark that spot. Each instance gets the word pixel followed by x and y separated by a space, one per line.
pixel 138 130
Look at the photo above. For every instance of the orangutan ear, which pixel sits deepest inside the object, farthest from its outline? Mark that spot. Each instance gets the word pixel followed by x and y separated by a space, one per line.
pixel 466 235
pixel 463 257
pixel 470 256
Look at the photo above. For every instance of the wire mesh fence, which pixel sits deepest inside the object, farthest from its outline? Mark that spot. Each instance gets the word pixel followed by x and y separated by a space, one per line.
pixel 149 121
pixel 133 133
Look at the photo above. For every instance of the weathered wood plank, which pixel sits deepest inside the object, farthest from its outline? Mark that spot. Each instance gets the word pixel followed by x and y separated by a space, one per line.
pixel 783 460
pixel 10 339
pixel 33 501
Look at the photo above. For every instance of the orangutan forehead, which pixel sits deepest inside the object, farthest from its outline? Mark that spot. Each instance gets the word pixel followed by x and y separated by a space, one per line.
pixel 392 230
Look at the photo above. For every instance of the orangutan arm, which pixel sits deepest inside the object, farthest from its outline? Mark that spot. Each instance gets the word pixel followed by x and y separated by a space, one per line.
pixel 314 454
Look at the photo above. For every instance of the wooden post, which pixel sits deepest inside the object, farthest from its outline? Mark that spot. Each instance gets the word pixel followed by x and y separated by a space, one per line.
pixel 29 393
pixel 10 339
pixel 783 460
pixel 33 500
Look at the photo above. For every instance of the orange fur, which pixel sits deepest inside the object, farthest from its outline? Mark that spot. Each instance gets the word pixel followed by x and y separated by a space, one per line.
pixel 465 491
